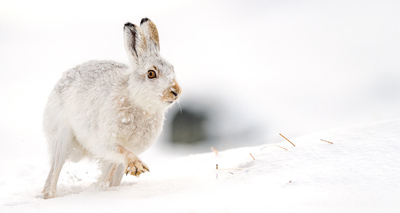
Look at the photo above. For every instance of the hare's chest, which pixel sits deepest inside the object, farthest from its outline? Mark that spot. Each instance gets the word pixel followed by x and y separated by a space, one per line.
pixel 137 129
pixel 126 120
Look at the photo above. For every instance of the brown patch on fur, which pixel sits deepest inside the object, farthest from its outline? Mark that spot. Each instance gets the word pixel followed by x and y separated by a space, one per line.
pixel 168 94
pixel 154 33
pixel 176 88
pixel 122 149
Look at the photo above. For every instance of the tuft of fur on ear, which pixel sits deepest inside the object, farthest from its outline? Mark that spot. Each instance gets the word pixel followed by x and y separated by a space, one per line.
pixel 151 33
pixel 135 41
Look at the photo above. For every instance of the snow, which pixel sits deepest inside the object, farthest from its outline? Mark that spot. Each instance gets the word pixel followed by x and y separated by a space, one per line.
pixel 290 67
pixel 359 172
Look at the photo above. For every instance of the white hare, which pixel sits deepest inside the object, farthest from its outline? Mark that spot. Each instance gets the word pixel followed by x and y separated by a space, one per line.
pixel 109 111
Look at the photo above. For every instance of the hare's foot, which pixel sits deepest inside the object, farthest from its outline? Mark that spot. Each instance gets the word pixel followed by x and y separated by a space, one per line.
pixel 136 167
pixel 49 194
pixel 103 185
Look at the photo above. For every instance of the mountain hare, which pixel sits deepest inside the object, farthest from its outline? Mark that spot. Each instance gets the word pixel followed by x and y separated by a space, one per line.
pixel 109 111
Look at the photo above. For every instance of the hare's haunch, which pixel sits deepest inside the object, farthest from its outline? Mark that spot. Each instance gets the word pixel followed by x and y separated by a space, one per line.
pixel 111 111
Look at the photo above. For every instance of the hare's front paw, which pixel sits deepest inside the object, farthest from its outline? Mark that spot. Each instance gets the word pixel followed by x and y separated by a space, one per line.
pixel 136 167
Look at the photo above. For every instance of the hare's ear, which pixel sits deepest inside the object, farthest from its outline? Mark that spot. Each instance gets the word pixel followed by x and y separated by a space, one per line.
pixel 151 33
pixel 135 42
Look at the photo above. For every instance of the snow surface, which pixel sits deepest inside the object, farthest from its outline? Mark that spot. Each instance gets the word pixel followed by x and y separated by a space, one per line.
pixel 359 172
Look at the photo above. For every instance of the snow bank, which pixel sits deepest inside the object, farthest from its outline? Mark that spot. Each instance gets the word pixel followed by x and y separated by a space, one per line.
pixel 359 172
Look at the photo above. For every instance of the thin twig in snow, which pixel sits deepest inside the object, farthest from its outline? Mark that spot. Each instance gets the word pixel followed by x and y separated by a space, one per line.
pixel 252 156
pixel 326 141
pixel 287 139
pixel 231 169
pixel 274 145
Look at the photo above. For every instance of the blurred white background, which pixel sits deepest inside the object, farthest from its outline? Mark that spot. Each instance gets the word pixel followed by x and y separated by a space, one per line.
pixel 261 67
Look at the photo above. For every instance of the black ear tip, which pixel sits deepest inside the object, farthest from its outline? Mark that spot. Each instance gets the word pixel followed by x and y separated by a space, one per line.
pixel 144 20
pixel 128 24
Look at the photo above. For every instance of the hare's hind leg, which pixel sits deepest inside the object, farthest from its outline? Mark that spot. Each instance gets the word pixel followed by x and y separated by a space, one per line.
pixel 118 174
pixel 59 148
pixel 111 174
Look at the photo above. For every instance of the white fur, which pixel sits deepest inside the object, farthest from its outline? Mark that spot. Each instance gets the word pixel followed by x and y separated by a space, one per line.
pixel 99 108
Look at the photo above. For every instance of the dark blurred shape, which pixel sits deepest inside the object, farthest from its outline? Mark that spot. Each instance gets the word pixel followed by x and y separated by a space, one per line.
pixel 200 122
pixel 188 127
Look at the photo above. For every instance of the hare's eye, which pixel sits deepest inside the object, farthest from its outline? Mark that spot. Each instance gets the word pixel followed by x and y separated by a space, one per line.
pixel 151 74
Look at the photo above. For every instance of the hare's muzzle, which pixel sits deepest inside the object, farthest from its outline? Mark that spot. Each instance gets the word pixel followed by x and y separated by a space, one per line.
pixel 172 93
pixel 176 90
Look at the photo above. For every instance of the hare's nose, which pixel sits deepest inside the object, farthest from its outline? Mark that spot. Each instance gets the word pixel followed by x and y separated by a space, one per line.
pixel 174 93
pixel 176 90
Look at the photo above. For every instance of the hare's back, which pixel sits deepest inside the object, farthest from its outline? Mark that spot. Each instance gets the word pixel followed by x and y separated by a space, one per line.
pixel 91 74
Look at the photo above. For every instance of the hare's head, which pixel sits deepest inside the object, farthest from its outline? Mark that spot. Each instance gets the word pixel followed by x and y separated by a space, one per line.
pixel 152 79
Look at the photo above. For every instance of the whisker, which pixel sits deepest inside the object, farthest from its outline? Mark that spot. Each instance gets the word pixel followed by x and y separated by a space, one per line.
pixel 180 107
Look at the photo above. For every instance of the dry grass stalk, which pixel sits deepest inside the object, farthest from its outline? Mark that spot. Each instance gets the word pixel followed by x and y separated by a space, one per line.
pixel 274 145
pixel 232 169
pixel 252 156
pixel 214 150
pixel 281 147
pixel 326 141
pixel 287 139
pixel 216 169
pixel 216 174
